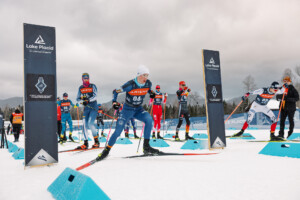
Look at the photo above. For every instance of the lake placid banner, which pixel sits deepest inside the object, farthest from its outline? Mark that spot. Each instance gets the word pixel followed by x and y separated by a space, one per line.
pixel 213 99
pixel 40 95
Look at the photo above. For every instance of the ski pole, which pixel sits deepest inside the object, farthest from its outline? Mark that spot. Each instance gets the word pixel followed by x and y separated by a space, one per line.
pixel 164 118
pixel 97 111
pixel 110 129
pixel 233 111
pixel 78 124
pixel 280 108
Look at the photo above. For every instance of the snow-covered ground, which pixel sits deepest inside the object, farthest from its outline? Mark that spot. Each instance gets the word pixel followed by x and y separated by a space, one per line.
pixel 237 172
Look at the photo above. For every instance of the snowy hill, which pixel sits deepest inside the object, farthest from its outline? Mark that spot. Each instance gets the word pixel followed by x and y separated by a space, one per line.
pixel 11 102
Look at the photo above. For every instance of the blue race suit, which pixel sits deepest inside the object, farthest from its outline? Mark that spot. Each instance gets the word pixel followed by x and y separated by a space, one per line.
pixel 135 94
pixel 128 125
pixel 100 118
pixel 90 110
pixel 65 107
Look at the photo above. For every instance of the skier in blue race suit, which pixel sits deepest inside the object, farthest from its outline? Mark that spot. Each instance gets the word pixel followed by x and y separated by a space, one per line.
pixel 126 129
pixel 136 90
pixel 100 119
pixel 87 93
pixel 65 107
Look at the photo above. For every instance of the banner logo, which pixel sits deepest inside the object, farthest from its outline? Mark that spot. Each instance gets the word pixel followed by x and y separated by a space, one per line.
pixel 39 40
pixel 212 65
pixel 41 85
pixel 214 91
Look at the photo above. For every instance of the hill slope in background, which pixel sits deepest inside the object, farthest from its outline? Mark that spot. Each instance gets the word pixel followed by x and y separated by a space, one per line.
pixel 11 102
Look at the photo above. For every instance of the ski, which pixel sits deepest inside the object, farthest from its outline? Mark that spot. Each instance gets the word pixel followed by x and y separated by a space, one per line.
pixel 173 140
pixel 149 155
pixel 246 136
pixel 170 154
pixel 75 150
pixel 295 141
pixel 86 165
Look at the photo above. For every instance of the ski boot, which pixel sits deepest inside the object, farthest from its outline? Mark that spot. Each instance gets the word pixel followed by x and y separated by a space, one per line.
pixel 135 136
pixel 84 146
pixel 275 138
pixel 127 135
pixel 104 153
pixel 153 135
pixel 71 138
pixel 187 137
pixel 239 134
pixel 61 139
pixel 97 144
pixel 65 138
pixel 158 135
pixel 176 137
pixel 148 150
pixel 102 134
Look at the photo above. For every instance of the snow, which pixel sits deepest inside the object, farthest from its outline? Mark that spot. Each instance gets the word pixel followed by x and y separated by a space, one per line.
pixel 237 172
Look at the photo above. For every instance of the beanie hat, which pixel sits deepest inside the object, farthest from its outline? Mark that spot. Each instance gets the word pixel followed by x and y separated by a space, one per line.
pixel 142 70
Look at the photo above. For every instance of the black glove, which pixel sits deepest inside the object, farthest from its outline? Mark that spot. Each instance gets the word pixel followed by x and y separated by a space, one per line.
pixel 152 94
pixel 286 85
pixel 85 102
pixel 116 105
pixel 189 90
pixel 245 96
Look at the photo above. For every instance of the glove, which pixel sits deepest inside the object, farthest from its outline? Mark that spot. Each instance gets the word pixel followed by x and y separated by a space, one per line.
pixel 189 90
pixel 85 102
pixel 286 85
pixel 116 105
pixel 75 106
pixel 152 94
pixel 84 98
pixel 245 96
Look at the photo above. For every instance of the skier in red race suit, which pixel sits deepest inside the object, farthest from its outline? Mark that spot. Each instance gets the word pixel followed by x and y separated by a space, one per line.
pixel 157 111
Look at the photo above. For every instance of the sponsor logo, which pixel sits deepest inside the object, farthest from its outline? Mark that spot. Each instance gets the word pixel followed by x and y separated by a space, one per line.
pixel 41 85
pixel 139 92
pixel 39 40
pixel 267 96
pixel 214 91
pixel 212 65
pixel 158 97
pixel 218 143
pixel 66 104
pixel 42 157
pixel 86 90
pixel 39 46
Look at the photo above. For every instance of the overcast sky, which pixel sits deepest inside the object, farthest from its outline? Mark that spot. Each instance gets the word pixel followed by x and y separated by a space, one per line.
pixel 109 39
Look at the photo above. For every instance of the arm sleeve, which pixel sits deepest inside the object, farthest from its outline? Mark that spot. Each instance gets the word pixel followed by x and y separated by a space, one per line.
pixel 94 96
pixel 259 91
pixel 72 103
pixel 124 88
pixel 78 95
pixel 11 118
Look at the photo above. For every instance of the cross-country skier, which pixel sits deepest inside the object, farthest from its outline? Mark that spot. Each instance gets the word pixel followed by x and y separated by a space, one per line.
pixel 87 93
pixel 127 126
pixel 65 107
pixel 157 111
pixel 136 90
pixel 16 119
pixel 263 96
pixel 100 119
pixel 59 126
pixel 182 95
